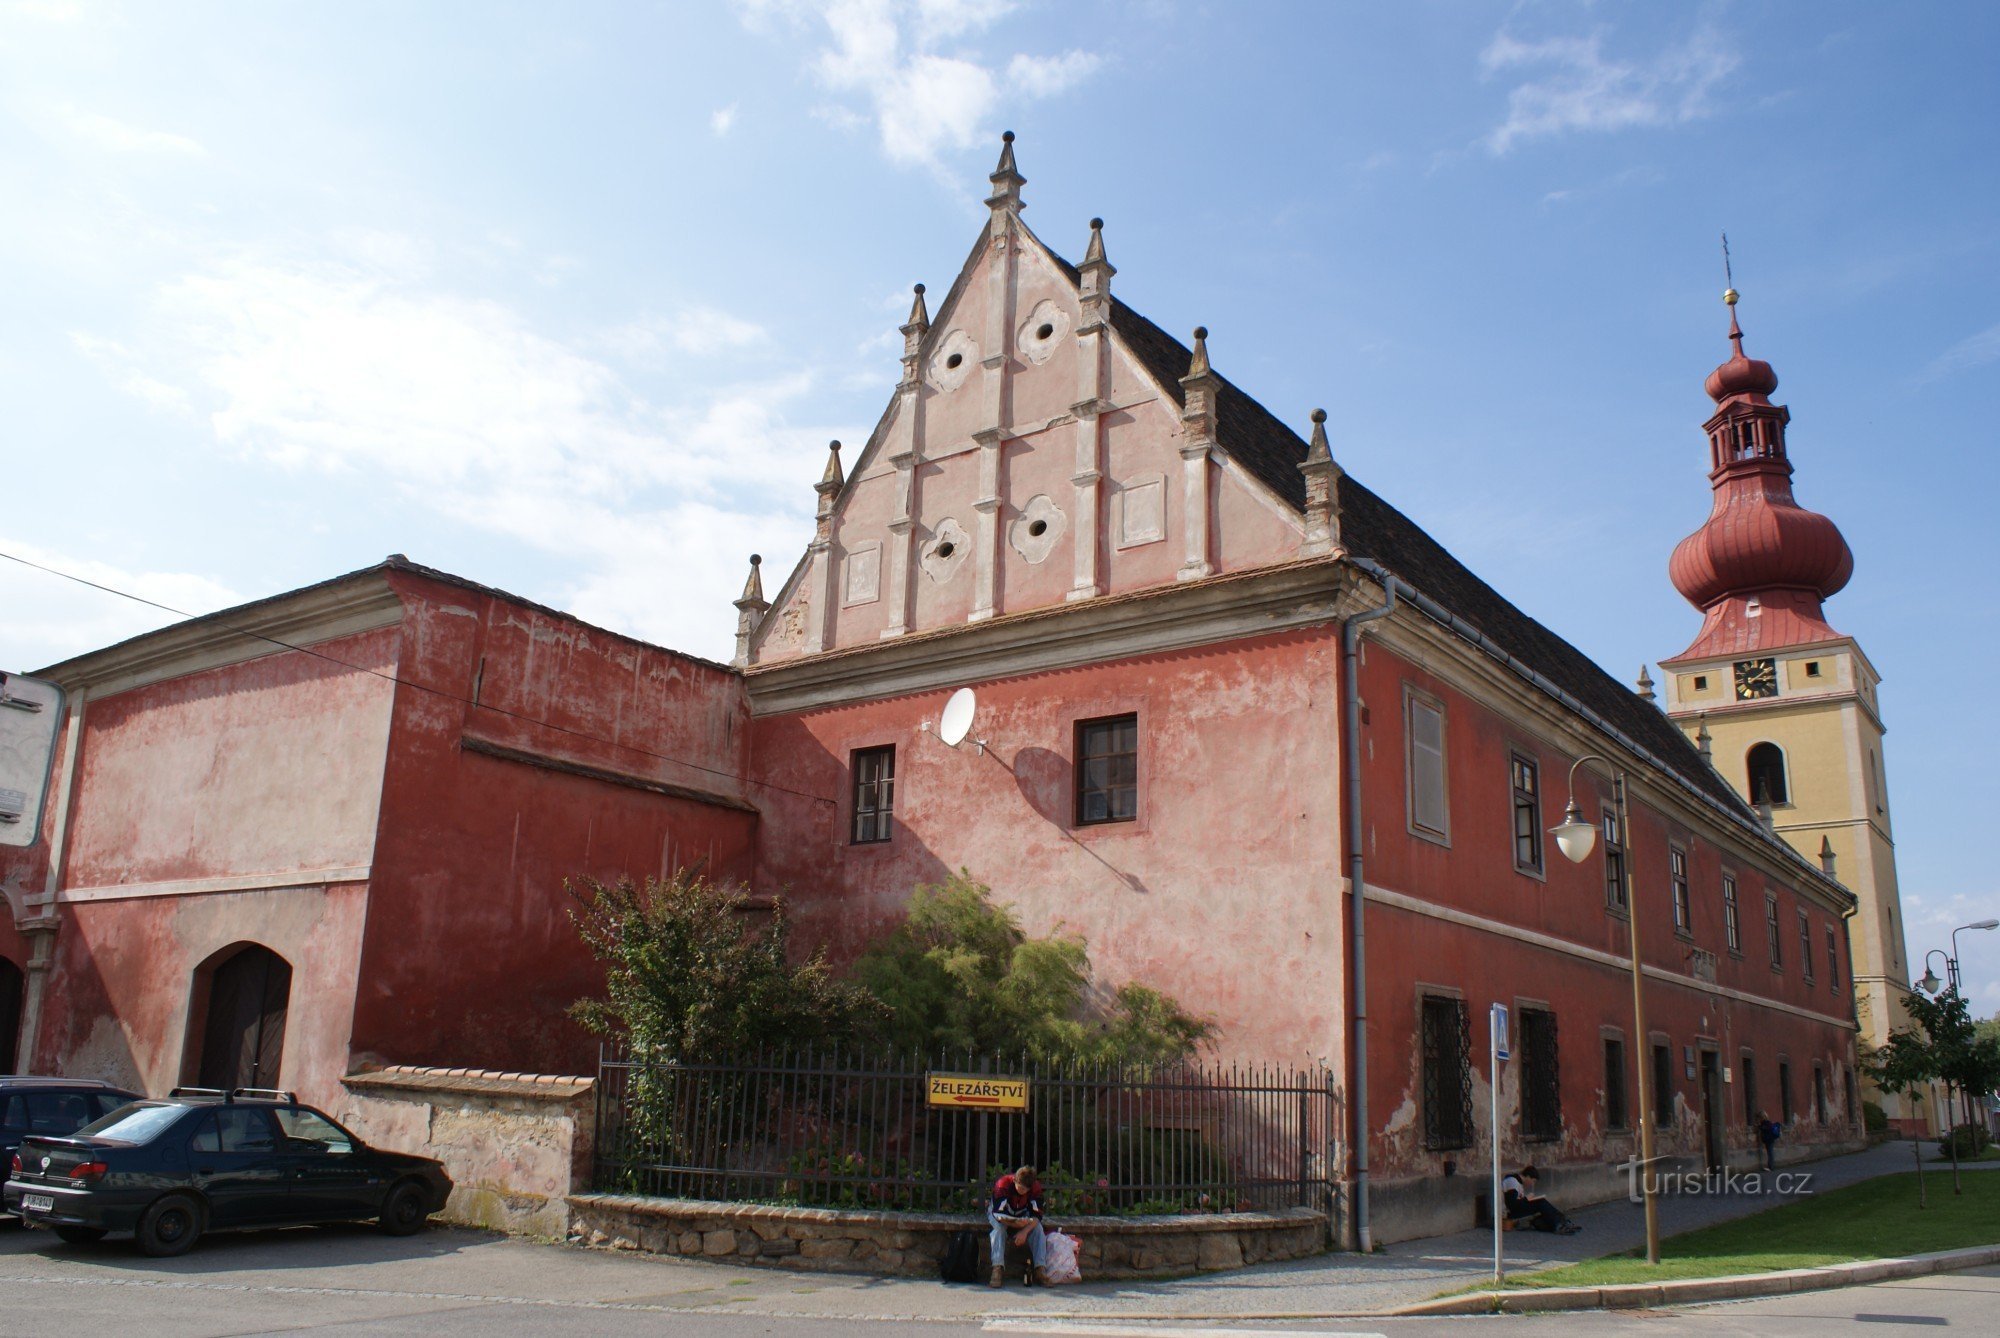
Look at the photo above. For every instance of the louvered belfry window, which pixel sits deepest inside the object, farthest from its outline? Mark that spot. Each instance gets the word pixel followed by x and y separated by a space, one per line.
pixel 1541 1087
pixel 1447 1045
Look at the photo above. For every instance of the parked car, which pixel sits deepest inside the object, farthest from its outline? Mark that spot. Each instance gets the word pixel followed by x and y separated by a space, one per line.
pixel 167 1171
pixel 30 1105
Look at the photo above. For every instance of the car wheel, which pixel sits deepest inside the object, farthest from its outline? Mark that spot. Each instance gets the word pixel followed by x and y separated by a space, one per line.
pixel 76 1235
pixel 404 1212
pixel 169 1227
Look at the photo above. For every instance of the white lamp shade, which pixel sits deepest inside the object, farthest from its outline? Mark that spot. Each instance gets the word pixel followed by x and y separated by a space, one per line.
pixel 1575 837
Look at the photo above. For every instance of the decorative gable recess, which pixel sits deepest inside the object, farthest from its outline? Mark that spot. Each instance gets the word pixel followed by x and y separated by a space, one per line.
pixel 1045 443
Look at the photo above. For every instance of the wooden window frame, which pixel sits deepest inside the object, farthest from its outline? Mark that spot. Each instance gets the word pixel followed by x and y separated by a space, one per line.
pixel 1747 1063
pixel 1527 803
pixel 1082 790
pixel 1413 697
pixel 1615 855
pixel 1732 915
pixel 1805 947
pixel 1681 894
pixel 871 799
pixel 1773 932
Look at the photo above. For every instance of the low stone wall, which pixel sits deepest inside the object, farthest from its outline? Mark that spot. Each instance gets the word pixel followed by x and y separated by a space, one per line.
pixel 515 1144
pixel 913 1244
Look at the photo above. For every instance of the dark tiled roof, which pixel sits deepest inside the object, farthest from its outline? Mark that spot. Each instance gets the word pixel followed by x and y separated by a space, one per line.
pixel 1369 527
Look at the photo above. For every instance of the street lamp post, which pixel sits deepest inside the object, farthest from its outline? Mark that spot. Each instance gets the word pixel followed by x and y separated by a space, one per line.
pixel 1576 837
pixel 1953 981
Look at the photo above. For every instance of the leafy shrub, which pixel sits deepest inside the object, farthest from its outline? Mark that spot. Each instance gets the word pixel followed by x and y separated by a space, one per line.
pixel 1965 1141
pixel 1874 1118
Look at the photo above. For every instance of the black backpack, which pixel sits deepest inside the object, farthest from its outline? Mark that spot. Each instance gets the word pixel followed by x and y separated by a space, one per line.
pixel 962 1257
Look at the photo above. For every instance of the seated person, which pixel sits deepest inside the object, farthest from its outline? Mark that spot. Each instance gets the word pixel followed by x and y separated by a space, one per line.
pixel 1016 1211
pixel 1523 1203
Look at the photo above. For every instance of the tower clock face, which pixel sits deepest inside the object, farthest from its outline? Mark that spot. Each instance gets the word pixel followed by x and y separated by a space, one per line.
pixel 1756 678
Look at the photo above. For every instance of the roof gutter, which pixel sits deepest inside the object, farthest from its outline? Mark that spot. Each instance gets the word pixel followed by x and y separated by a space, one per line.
pixel 1467 631
pixel 1353 628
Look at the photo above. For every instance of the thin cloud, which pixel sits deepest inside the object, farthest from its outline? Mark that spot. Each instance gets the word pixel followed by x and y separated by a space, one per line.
pixel 117 136
pixel 1973 351
pixel 1579 89
pixel 722 120
pixel 44 618
pixel 465 410
pixel 923 100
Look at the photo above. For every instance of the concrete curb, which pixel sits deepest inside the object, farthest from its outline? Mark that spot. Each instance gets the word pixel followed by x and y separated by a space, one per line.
pixel 1691 1291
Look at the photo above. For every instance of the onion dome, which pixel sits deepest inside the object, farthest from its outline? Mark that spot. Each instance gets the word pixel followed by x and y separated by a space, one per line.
pixel 1756 540
pixel 1741 375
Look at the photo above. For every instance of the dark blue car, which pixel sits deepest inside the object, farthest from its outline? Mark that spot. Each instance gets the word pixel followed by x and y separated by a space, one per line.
pixel 167 1171
pixel 30 1105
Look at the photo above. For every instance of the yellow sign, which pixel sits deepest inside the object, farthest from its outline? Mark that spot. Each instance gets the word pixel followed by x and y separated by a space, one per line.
pixel 978 1091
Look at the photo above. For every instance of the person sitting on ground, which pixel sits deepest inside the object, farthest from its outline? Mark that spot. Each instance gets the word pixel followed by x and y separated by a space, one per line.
pixel 1016 1211
pixel 1767 1134
pixel 1524 1203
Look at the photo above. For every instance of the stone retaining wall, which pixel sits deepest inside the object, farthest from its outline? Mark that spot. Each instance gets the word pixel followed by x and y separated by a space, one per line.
pixel 515 1144
pixel 913 1244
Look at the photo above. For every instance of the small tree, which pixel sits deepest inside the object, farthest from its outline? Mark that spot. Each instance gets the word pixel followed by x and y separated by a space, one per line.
pixel 1938 1046
pixel 693 974
pixel 960 974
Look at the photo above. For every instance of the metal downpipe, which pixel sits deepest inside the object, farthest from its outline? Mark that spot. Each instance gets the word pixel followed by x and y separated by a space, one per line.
pixel 1357 956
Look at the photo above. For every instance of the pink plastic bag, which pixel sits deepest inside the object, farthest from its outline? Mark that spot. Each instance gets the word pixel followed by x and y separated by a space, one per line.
pixel 1062 1254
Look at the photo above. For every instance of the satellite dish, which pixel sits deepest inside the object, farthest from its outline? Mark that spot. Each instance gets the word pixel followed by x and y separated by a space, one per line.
pixel 956 722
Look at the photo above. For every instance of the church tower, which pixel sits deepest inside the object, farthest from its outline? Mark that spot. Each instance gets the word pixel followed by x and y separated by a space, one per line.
pixel 1785 706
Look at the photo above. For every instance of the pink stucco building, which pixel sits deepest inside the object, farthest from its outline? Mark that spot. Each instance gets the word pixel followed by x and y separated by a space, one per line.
pixel 1241 723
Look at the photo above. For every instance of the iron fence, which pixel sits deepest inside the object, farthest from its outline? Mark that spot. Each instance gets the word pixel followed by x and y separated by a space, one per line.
pixel 853 1130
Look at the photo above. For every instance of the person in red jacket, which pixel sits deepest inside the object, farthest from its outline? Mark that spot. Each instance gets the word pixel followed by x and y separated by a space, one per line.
pixel 1016 1211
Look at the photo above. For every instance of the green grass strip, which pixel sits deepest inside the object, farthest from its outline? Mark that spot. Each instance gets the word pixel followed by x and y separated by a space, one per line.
pixel 1876 1219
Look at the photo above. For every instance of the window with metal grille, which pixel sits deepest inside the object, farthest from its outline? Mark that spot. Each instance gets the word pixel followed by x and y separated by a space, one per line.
pixel 1429 798
pixel 1541 1086
pixel 1750 1108
pixel 1107 770
pixel 1785 1091
pixel 1614 860
pixel 1832 961
pixel 1527 777
pixel 1447 1051
pixel 1847 1090
pixel 874 793
pixel 1732 926
pixel 1677 862
pixel 1615 1114
pixel 1663 1086
pixel 1771 931
pixel 1805 947
pixel 1819 1094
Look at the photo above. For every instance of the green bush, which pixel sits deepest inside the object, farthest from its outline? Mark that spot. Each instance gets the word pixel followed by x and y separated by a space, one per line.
pixel 1874 1118
pixel 1966 1142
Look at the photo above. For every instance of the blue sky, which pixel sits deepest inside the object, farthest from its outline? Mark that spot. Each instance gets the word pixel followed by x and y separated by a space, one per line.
pixel 568 299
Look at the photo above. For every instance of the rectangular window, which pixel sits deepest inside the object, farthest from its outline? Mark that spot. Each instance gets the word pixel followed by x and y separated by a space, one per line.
pixel 1429 809
pixel 1732 927
pixel 1614 861
pixel 1447 1052
pixel 1541 1086
pixel 1819 1094
pixel 1771 931
pixel 874 793
pixel 1107 770
pixel 1677 868
pixel 1615 1114
pixel 1663 1086
pixel 1847 1089
pixel 1805 947
pixel 1832 961
pixel 1784 1092
pixel 1750 1108
pixel 1527 778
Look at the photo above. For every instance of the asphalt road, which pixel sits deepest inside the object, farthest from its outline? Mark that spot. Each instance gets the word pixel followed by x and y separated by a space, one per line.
pixel 347 1280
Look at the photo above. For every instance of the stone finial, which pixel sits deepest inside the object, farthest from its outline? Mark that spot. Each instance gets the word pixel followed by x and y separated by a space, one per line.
pixel 1703 742
pixel 1094 253
pixel 1644 687
pixel 1322 500
pixel 914 331
pixel 751 607
pixel 1198 398
pixel 830 481
pixel 1007 182
pixel 1826 857
pixel 1094 280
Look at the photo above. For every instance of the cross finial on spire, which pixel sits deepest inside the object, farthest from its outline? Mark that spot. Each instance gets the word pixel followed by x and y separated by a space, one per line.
pixel 1007 182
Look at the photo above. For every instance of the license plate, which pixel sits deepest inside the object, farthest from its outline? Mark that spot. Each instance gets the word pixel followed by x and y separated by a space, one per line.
pixel 38 1203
